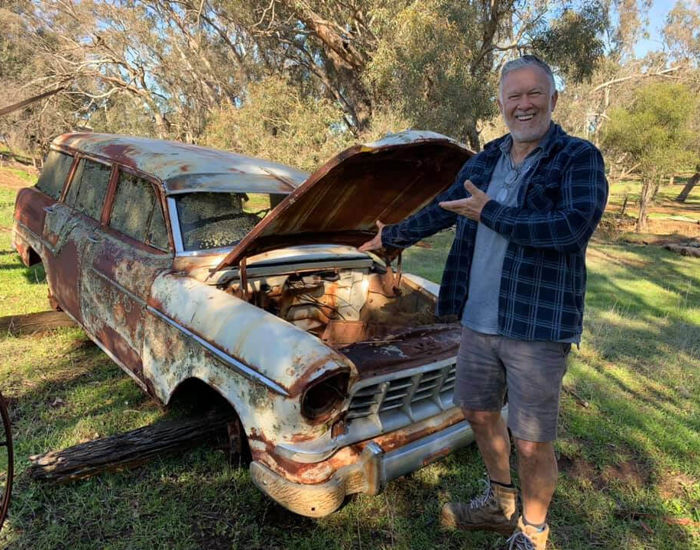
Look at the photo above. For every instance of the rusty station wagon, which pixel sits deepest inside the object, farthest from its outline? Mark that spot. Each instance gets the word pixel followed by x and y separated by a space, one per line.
pixel 191 265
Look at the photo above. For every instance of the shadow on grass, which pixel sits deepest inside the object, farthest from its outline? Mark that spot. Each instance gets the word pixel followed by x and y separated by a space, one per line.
pixel 10 261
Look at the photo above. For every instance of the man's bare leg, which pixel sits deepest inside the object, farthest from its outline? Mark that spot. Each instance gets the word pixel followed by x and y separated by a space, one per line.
pixel 497 509
pixel 537 469
pixel 491 435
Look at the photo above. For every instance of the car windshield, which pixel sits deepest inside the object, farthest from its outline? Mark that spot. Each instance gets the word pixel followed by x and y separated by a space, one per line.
pixel 218 220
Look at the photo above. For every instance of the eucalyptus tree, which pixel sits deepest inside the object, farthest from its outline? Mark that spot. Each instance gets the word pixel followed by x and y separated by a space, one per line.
pixel 180 66
pixel 655 132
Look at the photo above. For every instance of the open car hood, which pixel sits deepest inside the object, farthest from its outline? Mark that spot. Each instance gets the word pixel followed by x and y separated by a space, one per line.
pixel 387 180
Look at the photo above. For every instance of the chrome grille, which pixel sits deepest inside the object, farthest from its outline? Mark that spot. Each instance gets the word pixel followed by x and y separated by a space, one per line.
pixel 415 395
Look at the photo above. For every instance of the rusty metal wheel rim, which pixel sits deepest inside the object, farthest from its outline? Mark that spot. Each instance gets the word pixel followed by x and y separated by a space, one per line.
pixel 5 449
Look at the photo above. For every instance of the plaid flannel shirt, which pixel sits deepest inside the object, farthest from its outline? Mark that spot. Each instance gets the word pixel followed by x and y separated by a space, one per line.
pixel 543 280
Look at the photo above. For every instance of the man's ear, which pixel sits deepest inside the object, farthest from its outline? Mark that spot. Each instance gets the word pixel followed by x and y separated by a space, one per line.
pixel 555 96
pixel 500 105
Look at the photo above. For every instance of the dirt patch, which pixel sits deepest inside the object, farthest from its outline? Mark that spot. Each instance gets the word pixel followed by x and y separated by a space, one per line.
pixel 674 228
pixel 629 473
pixel 579 469
pixel 675 485
pixel 669 226
pixel 10 180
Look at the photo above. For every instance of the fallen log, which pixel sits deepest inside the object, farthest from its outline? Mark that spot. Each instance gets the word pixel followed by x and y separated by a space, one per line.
pixel 31 323
pixel 133 448
pixel 684 250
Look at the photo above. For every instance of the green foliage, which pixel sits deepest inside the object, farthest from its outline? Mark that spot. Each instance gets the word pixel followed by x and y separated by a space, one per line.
pixel 573 42
pixel 421 67
pixel 655 129
pixel 682 31
pixel 276 122
pixel 123 114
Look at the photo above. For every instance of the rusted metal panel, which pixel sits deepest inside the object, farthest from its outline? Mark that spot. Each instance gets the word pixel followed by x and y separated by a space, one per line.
pixel 30 208
pixel 183 167
pixel 274 348
pixel 386 180
pixel 405 348
pixel 65 233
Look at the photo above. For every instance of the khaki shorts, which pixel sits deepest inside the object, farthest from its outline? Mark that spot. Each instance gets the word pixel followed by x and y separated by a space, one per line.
pixel 530 373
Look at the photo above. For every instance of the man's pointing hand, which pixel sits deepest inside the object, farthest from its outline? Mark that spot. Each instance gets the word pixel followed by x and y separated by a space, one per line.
pixel 470 207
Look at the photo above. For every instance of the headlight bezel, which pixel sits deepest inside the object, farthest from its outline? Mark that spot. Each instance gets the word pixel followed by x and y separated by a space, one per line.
pixel 325 397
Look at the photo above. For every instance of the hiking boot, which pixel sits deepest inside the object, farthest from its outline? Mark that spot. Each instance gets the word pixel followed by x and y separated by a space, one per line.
pixel 495 510
pixel 527 537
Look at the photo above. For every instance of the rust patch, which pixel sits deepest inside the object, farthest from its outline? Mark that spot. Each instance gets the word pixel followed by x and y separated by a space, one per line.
pixel 405 348
pixel 311 372
pixel 23 251
pixel 411 433
pixel 64 274
pixel 113 341
pixel 436 456
pixel 298 472
pixel 29 208
pixel 123 154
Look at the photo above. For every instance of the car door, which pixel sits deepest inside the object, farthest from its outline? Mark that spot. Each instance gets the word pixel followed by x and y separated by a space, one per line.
pixel 119 264
pixel 67 227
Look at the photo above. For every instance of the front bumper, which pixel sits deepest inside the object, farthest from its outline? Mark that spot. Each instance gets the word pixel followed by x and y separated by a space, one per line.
pixel 369 474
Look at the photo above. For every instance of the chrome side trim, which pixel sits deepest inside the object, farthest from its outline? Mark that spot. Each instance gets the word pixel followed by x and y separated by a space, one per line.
pixel 235 364
pixel 417 454
pixel 175 225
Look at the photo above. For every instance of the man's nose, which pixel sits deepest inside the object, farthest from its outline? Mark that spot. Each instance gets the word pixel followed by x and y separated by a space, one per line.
pixel 524 103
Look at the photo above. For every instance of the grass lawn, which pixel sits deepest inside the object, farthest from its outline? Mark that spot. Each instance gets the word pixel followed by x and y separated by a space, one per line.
pixel 628 448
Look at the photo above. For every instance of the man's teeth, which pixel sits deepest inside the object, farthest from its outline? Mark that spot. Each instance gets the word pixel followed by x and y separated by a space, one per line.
pixel 523 118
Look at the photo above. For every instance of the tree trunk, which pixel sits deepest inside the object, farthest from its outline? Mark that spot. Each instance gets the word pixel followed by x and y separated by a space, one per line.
pixel 623 210
pixel 692 182
pixel 132 448
pixel 34 322
pixel 644 200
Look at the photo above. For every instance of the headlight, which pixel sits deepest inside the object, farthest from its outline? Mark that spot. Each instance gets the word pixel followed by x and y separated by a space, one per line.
pixel 324 396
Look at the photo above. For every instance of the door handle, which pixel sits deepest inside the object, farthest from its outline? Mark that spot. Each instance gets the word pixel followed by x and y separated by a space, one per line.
pixel 94 238
pixel 48 209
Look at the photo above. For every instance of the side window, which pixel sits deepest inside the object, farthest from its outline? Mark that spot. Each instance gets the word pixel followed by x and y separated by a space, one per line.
pixel 136 212
pixel 54 174
pixel 89 187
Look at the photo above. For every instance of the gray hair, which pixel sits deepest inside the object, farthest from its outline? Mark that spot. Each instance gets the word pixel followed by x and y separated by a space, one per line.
pixel 527 61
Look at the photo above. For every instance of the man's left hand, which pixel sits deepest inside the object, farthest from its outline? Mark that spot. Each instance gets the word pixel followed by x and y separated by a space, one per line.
pixel 470 207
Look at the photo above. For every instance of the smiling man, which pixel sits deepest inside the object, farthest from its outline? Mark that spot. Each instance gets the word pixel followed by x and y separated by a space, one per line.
pixel 524 210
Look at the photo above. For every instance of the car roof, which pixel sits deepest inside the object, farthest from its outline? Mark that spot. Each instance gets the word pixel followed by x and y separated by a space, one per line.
pixel 186 168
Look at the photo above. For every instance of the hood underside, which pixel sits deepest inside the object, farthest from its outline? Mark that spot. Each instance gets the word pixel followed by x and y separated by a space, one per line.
pixel 339 203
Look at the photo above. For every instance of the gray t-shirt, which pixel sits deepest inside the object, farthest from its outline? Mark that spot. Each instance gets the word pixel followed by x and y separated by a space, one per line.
pixel 481 310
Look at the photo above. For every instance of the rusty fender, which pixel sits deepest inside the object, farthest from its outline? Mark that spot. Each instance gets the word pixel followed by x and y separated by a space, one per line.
pixel 257 361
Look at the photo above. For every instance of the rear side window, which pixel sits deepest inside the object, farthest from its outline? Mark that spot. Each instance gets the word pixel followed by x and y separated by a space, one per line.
pixel 54 174
pixel 89 187
pixel 136 212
